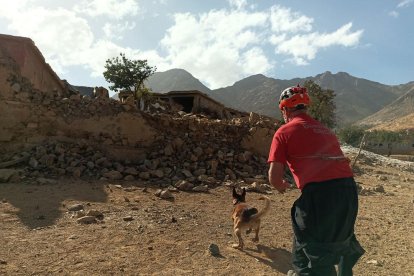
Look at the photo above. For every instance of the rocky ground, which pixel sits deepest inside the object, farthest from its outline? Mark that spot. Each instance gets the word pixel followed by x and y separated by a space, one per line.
pixel 72 226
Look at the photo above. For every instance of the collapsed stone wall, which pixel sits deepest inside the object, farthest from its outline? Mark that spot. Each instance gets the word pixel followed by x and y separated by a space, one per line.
pixel 45 135
pixel 191 149
pixel 31 119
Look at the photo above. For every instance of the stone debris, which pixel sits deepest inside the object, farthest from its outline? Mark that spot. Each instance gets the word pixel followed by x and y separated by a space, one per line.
pixel 374 262
pixel 193 147
pixel 86 220
pixel 184 185
pixel 200 189
pixel 373 158
pixel 209 163
pixel 259 187
pixel 46 181
pixel 76 207
pixel 95 213
pixel 128 218
pixel 214 250
pixel 86 216
pixel 365 191
pixel 164 194
pixel 379 189
pixel 382 177
pixel 7 175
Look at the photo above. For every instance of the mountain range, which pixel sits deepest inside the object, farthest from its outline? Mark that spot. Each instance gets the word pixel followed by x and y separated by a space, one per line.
pixel 356 98
pixel 398 115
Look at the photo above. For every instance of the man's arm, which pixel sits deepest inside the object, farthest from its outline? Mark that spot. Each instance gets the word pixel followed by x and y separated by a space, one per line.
pixel 276 176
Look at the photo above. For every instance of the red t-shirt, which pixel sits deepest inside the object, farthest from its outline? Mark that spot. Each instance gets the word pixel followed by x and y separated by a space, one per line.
pixel 311 151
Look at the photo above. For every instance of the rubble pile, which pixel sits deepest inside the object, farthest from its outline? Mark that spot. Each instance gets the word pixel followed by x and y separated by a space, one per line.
pixel 198 148
pixel 75 105
pixel 190 151
pixel 374 159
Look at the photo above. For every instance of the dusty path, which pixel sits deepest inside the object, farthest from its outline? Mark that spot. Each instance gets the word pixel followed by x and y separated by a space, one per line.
pixel 40 237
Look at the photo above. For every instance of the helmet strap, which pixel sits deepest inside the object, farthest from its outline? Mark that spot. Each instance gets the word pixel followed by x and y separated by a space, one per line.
pixel 285 115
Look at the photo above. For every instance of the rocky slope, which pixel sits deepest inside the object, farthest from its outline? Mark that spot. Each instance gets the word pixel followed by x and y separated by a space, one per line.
pixel 356 98
pixel 395 116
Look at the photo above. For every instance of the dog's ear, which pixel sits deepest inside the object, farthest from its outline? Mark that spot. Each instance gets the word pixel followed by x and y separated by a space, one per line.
pixel 235 195
pixel 243 195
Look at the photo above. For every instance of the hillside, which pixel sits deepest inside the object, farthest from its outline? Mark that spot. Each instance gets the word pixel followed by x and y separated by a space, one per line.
pixel 356 98
pixel 175 79
pixel 398 124
pixel 256 93
pixel 395 116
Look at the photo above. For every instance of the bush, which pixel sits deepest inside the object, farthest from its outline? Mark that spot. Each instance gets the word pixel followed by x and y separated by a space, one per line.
pixel 351 135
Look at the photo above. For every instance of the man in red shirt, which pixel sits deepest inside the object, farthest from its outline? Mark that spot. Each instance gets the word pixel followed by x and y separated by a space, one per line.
pixel 323 217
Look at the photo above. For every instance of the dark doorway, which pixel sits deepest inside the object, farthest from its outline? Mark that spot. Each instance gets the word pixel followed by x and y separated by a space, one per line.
pixel 186 102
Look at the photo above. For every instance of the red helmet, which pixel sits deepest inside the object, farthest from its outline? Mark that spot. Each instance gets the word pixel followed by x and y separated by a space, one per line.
pixel 293 96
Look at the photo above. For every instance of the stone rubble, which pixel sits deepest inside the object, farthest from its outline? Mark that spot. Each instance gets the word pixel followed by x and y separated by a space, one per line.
pixel 190 147
pixel 373 158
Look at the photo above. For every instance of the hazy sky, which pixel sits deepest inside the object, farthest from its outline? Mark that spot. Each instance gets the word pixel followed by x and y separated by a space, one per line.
pixel 221 41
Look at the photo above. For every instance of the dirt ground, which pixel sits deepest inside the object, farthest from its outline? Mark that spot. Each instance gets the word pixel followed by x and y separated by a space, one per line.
pixel 39 236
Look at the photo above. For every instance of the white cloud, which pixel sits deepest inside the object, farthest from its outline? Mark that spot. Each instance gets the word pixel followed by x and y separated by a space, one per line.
pixel 115 9
pixel 405 3
pixel 303 48
pixel 237 4
pixel 65 38
pixel 11 8
pixel 284 20
pixel 254 61
pixel 394 14
pixel 277 39
pixel 116 30
pixel 102 50
pixel 222 46
pixel 60 33
pixel 161 2
pixel 213 44
pixel 219 47
pixel 401 5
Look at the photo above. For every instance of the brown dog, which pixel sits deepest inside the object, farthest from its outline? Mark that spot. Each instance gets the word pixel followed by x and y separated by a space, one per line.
pixel 246 217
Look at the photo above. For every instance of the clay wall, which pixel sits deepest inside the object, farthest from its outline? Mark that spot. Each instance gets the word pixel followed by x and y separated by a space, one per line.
pixel 32 64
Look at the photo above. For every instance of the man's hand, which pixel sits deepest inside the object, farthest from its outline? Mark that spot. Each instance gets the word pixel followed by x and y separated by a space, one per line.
pixel 276 177
pixel 284 186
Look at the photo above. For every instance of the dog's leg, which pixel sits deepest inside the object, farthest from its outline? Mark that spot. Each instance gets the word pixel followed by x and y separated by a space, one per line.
pixel 256 231
pixel 240 245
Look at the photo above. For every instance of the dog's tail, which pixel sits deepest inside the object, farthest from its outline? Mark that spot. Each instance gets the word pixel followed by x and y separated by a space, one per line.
pixel 264 210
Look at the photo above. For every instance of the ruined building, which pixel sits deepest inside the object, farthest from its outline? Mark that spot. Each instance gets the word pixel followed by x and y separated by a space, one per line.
pixel 47 129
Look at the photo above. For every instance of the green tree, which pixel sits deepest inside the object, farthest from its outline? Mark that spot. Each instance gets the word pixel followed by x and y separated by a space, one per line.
pixel 351 134
pixel 129 75
pixel 322 105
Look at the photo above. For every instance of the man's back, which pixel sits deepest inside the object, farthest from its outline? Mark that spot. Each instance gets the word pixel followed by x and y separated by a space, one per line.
pixel 311 151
